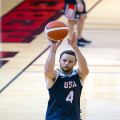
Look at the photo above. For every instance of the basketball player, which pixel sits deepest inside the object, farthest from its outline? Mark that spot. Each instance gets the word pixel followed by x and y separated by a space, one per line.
pixel 65 84
pixel 75 12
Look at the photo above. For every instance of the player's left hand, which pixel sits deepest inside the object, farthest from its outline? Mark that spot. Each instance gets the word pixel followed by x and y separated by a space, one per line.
pixel 73 41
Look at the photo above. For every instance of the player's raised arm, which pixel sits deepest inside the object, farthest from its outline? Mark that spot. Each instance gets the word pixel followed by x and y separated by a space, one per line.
pixel 83 69
pixel 50 73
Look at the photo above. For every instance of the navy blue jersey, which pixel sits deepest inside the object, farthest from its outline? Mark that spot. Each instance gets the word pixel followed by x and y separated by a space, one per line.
pixel 64 101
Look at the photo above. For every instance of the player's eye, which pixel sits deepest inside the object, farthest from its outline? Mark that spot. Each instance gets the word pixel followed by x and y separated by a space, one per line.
pixel 64 60
pixel 70 61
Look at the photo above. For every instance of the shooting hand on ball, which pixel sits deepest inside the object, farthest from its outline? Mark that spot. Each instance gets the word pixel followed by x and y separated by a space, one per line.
pixel 55 44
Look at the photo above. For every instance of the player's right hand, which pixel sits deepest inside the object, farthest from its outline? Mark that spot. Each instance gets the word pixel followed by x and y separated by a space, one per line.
pixel 55 44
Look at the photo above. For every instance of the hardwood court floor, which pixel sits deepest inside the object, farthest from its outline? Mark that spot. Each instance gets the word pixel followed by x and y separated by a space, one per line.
pixel 25 97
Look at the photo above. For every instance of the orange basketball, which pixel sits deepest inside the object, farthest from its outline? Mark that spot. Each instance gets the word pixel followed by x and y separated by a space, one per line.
pixel 56 30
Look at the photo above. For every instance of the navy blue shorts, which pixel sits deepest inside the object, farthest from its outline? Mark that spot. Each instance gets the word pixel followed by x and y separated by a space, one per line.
pixel 70 11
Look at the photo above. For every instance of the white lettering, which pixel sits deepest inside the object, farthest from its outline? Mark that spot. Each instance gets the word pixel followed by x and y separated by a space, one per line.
pixel 65 84
pixel 70 84
pixel 74 84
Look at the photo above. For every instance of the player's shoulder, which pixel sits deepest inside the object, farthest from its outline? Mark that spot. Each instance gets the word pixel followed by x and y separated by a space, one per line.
pixel 74 72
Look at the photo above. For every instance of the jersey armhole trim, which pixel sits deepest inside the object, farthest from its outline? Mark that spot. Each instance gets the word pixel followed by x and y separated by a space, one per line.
pixel 79 77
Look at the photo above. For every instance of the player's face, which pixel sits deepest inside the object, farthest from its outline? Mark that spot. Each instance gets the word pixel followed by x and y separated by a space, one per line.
pixel 67 62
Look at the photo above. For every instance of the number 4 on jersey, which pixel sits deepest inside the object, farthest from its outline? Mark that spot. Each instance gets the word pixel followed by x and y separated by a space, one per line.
pixel 70 97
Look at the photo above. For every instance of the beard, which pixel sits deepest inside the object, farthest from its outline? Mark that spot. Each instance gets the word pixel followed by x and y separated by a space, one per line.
pixel 68 70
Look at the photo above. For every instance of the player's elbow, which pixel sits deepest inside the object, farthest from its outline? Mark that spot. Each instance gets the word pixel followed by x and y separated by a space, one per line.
pixel 85 71
pixel 47 70
pixel 47 73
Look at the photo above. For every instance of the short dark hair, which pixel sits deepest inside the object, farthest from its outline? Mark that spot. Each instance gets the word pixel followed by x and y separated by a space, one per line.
pixel 69 52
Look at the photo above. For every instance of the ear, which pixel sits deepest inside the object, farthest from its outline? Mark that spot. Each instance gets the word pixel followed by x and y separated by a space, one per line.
pixel 75 63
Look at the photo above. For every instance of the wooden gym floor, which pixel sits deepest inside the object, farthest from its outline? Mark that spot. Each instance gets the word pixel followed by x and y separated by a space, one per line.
pixel 23 94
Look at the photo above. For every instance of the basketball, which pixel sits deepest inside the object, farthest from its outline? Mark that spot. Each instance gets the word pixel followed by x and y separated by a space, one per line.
pixel 56 30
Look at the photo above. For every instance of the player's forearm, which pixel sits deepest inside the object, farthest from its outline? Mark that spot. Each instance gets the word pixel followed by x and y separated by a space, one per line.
pixel 80 58
pixel 50 63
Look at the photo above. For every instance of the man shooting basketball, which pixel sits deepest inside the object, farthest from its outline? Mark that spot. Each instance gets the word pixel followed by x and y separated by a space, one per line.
pixel 65 84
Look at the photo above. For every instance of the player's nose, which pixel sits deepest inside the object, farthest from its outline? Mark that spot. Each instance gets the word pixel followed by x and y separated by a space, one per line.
pixel 66 62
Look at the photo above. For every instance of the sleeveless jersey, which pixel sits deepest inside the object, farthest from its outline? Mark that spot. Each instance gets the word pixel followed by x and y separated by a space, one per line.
pixel 64 101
